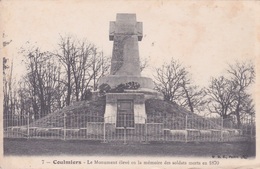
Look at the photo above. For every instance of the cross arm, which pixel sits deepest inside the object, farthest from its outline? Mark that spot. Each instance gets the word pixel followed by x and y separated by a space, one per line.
pixel 139 30
pixel 112 29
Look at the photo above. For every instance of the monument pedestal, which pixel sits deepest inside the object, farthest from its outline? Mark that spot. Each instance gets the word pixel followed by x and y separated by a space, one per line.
pixel 128 108
pixel 125 105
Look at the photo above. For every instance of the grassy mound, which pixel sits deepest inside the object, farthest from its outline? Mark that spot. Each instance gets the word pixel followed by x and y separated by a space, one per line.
pixel 76 115
pixel 155 107
pixel 158 111
pixel 174 116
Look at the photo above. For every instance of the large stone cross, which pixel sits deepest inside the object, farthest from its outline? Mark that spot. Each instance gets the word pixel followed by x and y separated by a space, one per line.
pixel 126 25
pixel 125 33
pixel 125 68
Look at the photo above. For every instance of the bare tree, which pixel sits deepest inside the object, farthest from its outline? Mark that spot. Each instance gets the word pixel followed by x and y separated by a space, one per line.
pixel 100 66
pixel 9 98
pixel 83 65
pixel 41 84
pixel 35 65
pixel 174 81
pixel 168 80
pixel 193 98
pixel 143 64
pixel 54 79
pixel 66 53
pixel 242 76
pixel 247 108
pixel 221 96
pixel 229 95
pixel 8 102
pixel 80 64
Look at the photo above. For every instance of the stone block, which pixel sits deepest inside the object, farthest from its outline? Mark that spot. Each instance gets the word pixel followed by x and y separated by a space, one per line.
pixel 138 98
pixel 110 128
pixel 155 129
pixel 140 129
pixel 95 128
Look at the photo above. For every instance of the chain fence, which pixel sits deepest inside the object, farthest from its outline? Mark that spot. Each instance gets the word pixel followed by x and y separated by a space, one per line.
pixel 125 128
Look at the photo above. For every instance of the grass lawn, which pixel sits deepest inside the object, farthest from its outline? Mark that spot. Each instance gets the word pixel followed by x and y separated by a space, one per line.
pixel 90 148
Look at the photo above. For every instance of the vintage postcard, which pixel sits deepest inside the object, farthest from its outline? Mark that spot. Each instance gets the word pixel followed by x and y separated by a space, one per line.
pixel 129 84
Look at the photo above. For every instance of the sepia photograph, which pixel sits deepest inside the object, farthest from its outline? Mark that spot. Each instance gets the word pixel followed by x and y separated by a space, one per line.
pixel 123 84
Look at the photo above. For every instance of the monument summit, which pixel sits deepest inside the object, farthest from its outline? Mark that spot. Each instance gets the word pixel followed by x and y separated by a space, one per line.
pixel 125 33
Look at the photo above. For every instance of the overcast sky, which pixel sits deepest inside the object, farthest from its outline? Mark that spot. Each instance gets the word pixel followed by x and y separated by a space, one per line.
pixel 205 35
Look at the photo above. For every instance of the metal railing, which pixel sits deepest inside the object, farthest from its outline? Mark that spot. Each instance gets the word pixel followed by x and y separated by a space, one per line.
pixel 80 126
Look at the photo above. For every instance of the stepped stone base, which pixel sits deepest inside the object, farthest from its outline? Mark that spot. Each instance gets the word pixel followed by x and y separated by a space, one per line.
pixel 146 85
pixel 148 93
pixel 114 80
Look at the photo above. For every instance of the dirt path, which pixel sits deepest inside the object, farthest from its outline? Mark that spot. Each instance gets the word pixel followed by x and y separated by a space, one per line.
pixel 59 147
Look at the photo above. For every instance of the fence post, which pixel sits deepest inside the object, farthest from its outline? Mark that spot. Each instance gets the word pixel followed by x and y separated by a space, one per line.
pixel 146 139
pixel 64 126
pixel 104 131
pixel 124 128
pixel 251 128
pixel 186 127
pixel 28 125
pixel 222 126
pixel 164 124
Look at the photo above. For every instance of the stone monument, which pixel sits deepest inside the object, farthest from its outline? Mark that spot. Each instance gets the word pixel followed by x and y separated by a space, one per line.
pixel 125 32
